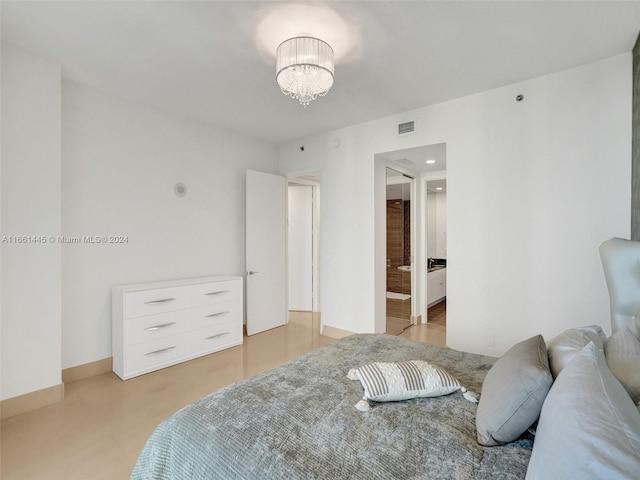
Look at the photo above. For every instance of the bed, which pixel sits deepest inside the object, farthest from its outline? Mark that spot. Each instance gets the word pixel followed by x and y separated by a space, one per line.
pixel 298 421
pixel 566 408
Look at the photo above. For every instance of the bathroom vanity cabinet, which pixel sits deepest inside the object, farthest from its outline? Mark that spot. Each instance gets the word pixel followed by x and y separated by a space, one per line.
pixel 436 286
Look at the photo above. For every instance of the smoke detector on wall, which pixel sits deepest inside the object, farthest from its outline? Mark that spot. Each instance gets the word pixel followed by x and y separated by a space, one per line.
pixel 180 189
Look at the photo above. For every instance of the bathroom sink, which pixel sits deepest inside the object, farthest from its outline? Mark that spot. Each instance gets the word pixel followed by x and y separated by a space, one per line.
pixel 436 264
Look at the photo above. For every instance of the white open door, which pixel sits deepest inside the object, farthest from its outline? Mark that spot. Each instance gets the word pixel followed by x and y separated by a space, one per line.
pixel 266 252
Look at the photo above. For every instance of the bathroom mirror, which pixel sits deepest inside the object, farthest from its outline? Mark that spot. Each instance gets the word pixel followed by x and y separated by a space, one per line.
pixel 399 253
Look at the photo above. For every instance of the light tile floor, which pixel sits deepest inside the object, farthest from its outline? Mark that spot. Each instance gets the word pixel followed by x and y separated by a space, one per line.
pixel 99 429
pixel 434 331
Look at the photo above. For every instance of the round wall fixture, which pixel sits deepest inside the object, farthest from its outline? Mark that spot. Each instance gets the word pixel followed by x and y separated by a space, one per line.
pixel 180 189
pixel 519 98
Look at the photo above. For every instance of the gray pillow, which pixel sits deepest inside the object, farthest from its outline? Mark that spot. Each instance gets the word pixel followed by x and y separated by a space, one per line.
pixel 589 427
pixel 622 352
pixel 563 347
pixel 513 392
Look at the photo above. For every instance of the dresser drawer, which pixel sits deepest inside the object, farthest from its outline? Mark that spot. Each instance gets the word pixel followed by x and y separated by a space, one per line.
pixel 215 314
pixel 215 292
pixel 156 353
pixel 160 325
pixel 213 338
pixel 159 300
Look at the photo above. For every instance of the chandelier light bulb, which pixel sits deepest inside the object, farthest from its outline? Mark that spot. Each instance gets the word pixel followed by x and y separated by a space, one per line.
pixel 304 68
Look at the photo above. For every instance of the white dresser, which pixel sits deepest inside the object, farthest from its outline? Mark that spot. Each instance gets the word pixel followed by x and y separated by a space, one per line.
pixel 155 325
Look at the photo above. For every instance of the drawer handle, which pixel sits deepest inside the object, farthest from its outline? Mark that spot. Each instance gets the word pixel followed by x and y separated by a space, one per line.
pixel 162 300
pixel 162 350
pixel 158 327
pixel 219 292
pixel 219 335
pixel 219 314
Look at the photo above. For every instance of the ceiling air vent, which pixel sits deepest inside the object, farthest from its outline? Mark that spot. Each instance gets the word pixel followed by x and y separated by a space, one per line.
pixel 406 127
pixel 405 161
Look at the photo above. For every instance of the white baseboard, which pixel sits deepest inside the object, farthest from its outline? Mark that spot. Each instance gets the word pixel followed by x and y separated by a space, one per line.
pixel 334 332
pixel 87 370
pixel 31 401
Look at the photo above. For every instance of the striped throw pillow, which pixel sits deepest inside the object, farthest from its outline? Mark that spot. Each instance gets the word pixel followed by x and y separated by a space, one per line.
pixel 395 381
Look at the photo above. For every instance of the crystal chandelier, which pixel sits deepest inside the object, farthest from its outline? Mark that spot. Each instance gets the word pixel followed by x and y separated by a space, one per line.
pixel 304 68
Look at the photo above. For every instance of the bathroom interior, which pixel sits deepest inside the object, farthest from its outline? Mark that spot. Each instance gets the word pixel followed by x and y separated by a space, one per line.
pixel 436 218
pixel 399 252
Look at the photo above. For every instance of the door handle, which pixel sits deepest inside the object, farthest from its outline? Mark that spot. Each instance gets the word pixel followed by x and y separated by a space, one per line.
pixel 250 272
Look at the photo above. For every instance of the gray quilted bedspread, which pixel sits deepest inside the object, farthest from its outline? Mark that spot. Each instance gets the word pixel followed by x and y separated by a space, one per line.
pixel 298 421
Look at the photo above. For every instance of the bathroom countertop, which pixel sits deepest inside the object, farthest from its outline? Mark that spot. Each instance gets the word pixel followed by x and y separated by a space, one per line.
pixel 437 267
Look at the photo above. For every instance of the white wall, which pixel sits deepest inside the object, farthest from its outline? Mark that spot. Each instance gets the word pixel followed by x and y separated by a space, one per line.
pixel 346 219
pixel 30 207
pixel 120 165
pixel 533 188
pixel 437 225
pixel 300 247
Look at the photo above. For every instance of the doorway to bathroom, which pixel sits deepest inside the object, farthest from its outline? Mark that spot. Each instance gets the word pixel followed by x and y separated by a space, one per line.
pixel 399 251
pixel 428 247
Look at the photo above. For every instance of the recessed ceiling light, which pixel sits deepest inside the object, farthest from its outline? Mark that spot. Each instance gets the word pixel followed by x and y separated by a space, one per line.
pixel 431 161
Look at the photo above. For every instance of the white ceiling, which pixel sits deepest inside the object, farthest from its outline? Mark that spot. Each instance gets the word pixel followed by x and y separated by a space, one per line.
pixel 215 60
pixel 437 186
pixel 415 159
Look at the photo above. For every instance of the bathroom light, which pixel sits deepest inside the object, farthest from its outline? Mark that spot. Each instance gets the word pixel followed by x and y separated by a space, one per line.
pixel 304 68
pixel 431 161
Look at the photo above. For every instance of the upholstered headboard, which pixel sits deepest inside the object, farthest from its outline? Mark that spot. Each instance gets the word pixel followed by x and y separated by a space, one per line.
pixel 621 263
